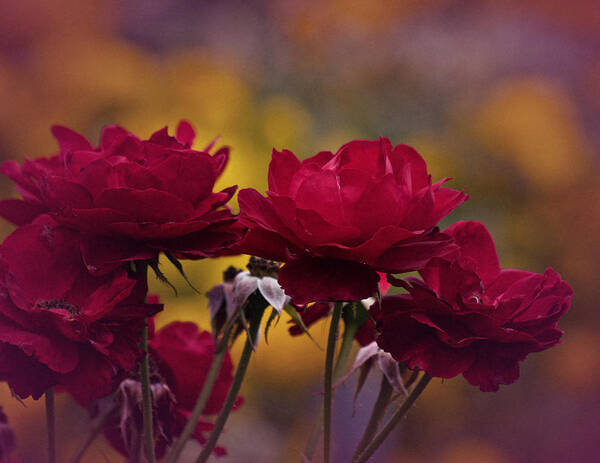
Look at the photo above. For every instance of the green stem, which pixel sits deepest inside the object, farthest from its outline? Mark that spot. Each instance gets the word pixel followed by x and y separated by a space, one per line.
pixel 50 426
pixel 383 399
pixel 328 392
pixel 147 399
pixel 97 428
pixel 211 377
pixel 394 420
pixel 257 313
pixel 340 366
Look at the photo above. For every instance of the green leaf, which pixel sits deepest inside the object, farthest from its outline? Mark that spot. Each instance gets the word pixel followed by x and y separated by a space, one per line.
pixel 355 314
pixel 179 268
pixel 160 275
pixel 291 311
pixel 273 316
pixel 246 326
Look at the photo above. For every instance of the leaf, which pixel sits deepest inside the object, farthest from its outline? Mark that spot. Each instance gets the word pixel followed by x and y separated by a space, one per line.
pixel 160 275
pixel 179 268
pixel 246 327
pixel 291 311
pixel 365 368
pixel 274 314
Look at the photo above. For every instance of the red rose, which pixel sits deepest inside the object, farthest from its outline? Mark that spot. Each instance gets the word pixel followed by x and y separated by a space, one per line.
pixel 468 316
pixel 180 357
pixel 58 324
pixel 184 355
pixel 336 219
pixel 135 197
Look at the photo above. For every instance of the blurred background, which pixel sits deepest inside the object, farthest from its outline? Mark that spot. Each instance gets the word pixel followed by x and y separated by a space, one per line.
pixel 503 96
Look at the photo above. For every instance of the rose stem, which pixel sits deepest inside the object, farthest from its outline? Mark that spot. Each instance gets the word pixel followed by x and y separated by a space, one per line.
pixel 335 319
pixel 394 420
pixel 211 377
pixel 96 429
pixel 381 403
pixel 257 311
pixel 340 364
pixel 50 428
pixel 147 399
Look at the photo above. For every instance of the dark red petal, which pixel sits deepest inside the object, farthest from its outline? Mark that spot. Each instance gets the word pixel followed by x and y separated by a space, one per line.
pixel 409 168
pixel 69 140
pixel 92 379
pixel 418 346
pixel 282 168
pixel 180 345
pixel 368 251
pixel 321 192
pixel 309 279
pixel 55 352
pixel 257 209
pixel 49 266
pixel 102 255
pixel 156 231
pixel 266 244
pixel 112 134
pixel 101 175
pixel 319 159
pixel 476 243
pixel 493 366
pixel 189 177
pixel 415 254
pixel 185 133
pixel 446 200
pixel 211 241
pixel 63 195
pixel 24 374
pixel 145 205
pixel 380 205
pixel 20 212
pixel 368 156
pixel 506 279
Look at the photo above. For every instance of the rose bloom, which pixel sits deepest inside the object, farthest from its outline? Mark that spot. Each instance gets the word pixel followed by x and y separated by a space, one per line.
pixel 134 197
pixel 335 219
pixel 61 326
pixel 180 356
pixel 469 317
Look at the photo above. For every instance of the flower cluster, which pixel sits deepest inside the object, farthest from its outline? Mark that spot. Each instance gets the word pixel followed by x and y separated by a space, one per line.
pixel 328 238
pixel 73 275
pixel 338 219
pixel 467 316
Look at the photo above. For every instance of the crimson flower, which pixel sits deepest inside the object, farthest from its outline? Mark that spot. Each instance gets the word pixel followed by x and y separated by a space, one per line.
pixel 335 219
pixel 469 317
pixel 61 326
pixel 134 197
pixel 180 356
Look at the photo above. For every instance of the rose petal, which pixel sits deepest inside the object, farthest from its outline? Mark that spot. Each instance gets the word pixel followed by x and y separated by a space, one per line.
pixel 308 280
pixel 272 293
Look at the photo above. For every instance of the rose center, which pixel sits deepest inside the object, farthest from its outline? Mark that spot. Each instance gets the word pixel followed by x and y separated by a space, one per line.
pixel 259 267
pixel 57 304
